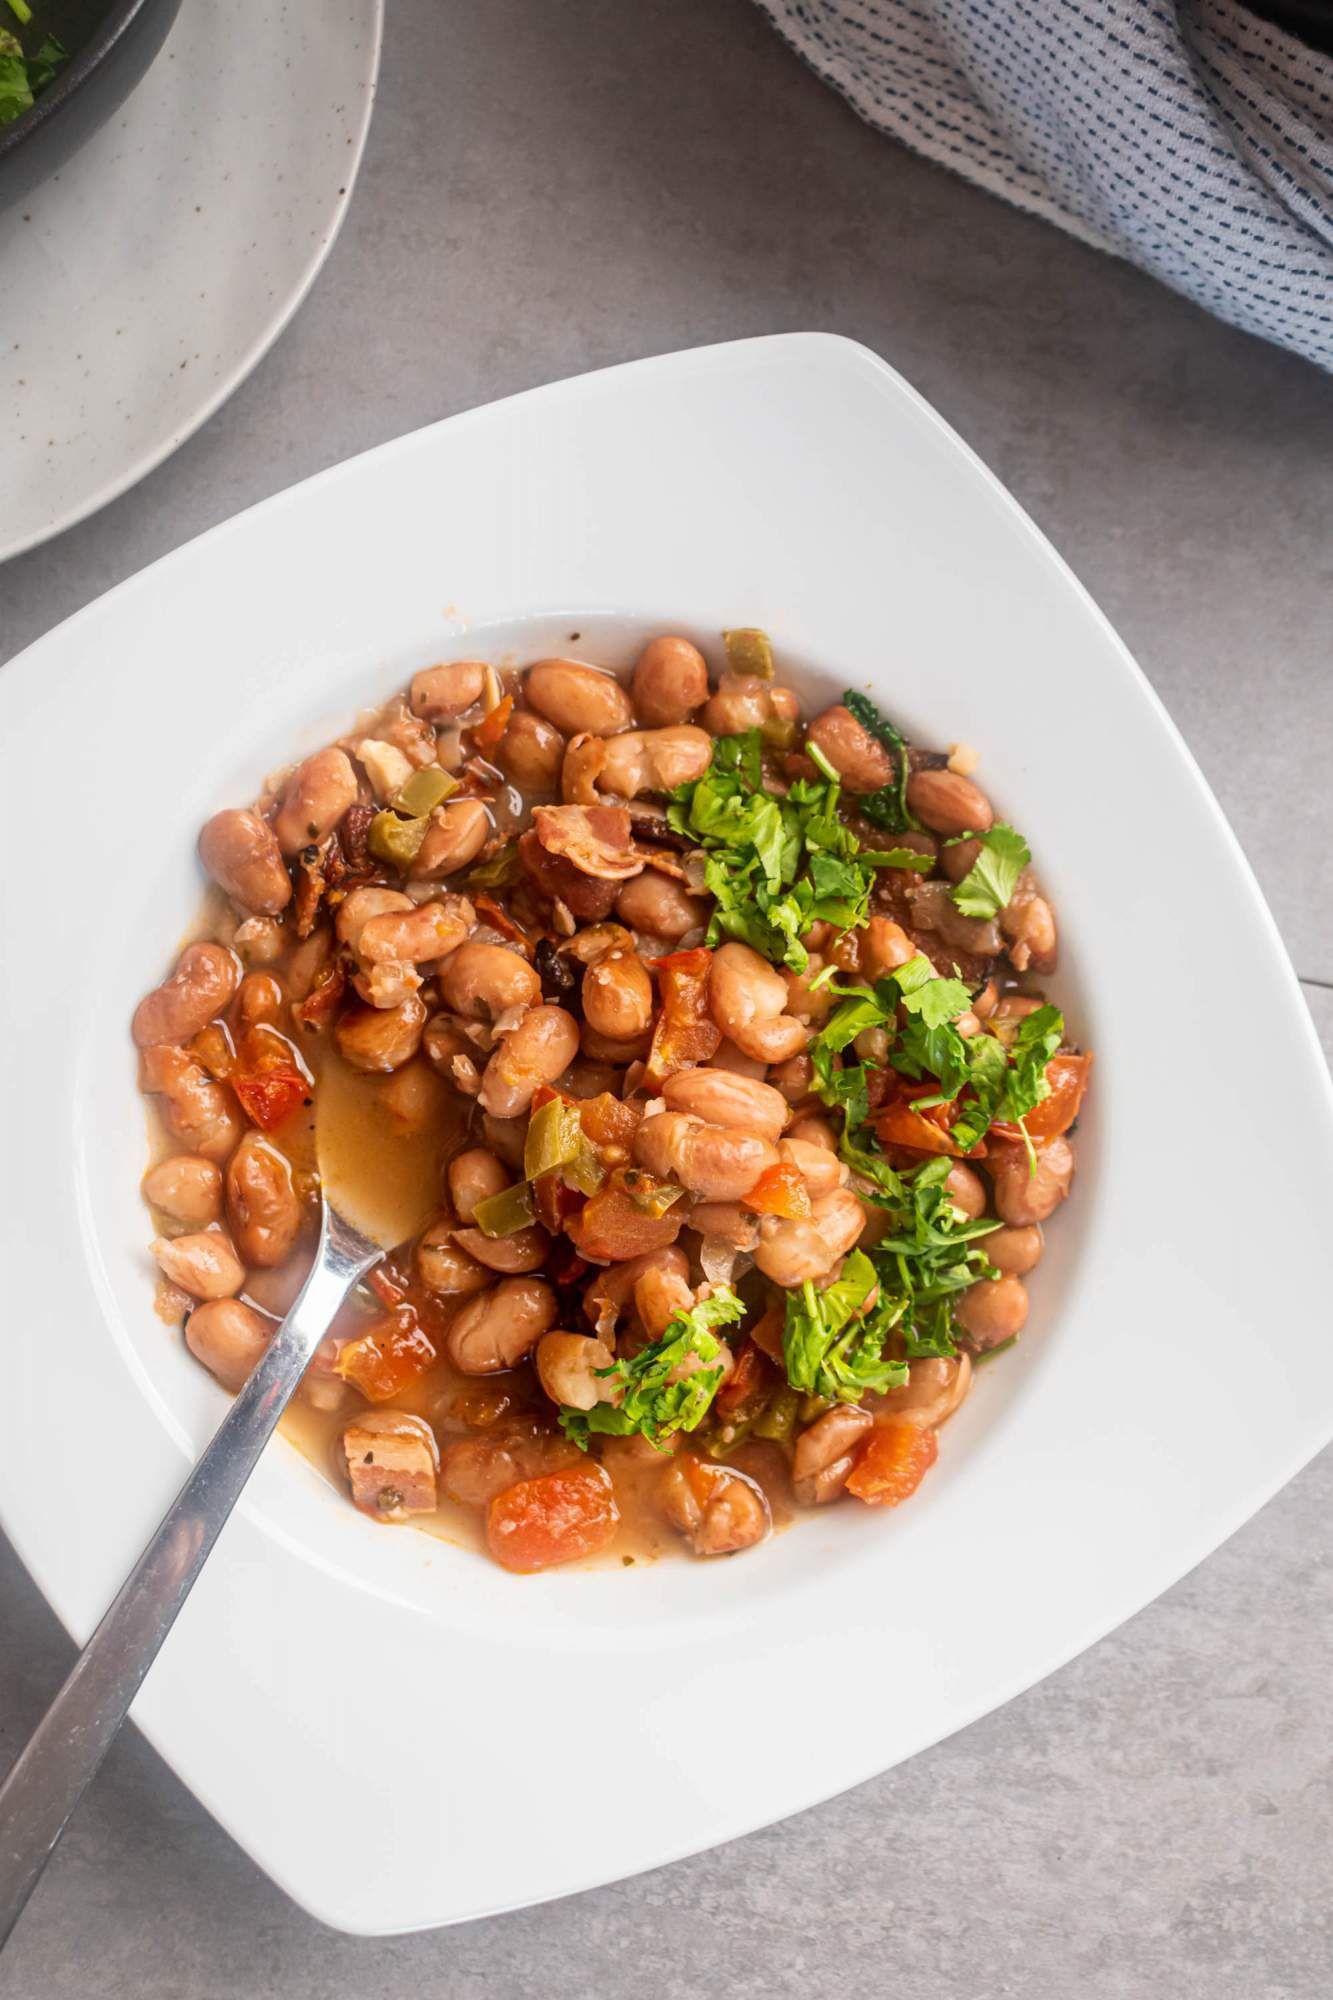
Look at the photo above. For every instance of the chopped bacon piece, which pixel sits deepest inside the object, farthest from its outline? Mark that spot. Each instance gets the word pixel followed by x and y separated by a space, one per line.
pixel 392 1460
pixel 686 1032
pixel 598 840
pixel 779 1190
pixel 555 878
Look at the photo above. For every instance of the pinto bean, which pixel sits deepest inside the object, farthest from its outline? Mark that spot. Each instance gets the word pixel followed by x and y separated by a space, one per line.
pixel 930 1395
pixel 472 1177
pixel 653 760
pixel 736 1063
pixel 202 1114
pixel 507 1137
pixel 484 981
pixel 229 1338
pixel 576 697
pixel 714 1162
pixel 186 1189
pixel 993 1311
pixel 660 906
pixel 438 694
pixel 1029 925
pixel 612 1290
pixel 240 851
pixel 806 1002
pixel 745 701
pixel 720 1097
pixel 747 999
pixel 259 941
pixel 531 752
pixel 815 1130
pixel 445 1268
pixel 314 799
pixel 260 1000
pixel 948 803
pixel 204 980
pixel 360 905
pixel 860 759
pixel 567 1365
pixel 381 1038
pixel 791 1250
pixel 1023 1197
pixel 525 1250
pixel 497 1330
pixel 670 681
pixel 717 1508
pixel 414 937
pixel 824 1454
pixel 308 962
pixel 262 1204
pixel 618 997
pixel 203 1263
pixel 414 1097
pixel 959 858
pixel 660 1293
pixel 1014 1251
pixel 794 1078
pixel 821 1170
pixel 966 1191
pixel 543 1044
pixel 456 835
pixel 885 946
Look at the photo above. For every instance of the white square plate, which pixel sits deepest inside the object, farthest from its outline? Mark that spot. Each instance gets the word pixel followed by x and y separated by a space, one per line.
pixel 398 1732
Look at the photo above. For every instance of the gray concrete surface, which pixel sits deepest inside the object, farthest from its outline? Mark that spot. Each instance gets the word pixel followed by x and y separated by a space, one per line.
pixel 548 189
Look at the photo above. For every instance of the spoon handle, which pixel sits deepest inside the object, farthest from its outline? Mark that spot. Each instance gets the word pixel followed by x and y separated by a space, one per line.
pixel 69 1743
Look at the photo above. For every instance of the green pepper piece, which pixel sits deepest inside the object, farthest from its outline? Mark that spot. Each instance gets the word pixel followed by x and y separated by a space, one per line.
pixel 504 1214
pixel 749 652
pixel 729 1437
pixel 396 840
pixel 654 1197
pixel 553 1138
pixel 777 1420
pixel 585 1171
pixel 419 795
pixel 497 872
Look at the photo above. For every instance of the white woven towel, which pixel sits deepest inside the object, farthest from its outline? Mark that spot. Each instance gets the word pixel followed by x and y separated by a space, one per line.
pixel 1192 138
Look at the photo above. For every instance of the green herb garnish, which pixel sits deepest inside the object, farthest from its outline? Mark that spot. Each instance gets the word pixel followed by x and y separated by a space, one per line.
pixel 22 77
pixel 652 1404
pixel 833 1341
pixel 888 806
pixel 989 884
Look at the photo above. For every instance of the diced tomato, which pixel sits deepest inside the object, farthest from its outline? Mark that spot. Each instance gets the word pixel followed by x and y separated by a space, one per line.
pixel 554 1202
pixel 555 1519
pixel 392 1352
pixel 767 1332
pixel 899 1123
pixel 611 1227
pixel 316 1011
pixel 487 733
pixel 746 1380
pixel 686 1032
pixel 609 1121
pixel 1068 1076
pixel 271 1098
pixel 892 1462
pixel 779 1190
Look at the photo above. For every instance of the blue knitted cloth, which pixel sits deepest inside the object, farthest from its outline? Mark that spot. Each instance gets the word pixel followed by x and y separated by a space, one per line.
pixel 1193 139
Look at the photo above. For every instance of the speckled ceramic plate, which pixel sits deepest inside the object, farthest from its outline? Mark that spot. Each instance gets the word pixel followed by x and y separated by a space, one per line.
pixel 400 1732
pixel 144 282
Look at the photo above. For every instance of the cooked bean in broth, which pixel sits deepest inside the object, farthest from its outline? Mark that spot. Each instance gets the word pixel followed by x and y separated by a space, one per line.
pixel 711 1039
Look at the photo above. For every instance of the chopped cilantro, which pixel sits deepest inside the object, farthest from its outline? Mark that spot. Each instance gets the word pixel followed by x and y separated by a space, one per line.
pixel 832 1342
pixel 990 882
pixel 888 806
pixel 655 1400
pixel 22 77
pixel 774 865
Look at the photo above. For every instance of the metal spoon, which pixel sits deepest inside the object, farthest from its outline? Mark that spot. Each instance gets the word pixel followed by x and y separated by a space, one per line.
pixel 69 1743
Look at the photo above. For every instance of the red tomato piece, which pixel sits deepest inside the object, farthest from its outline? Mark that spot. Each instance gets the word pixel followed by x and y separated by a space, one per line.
pixel 686 1032
pixel 269 1099
pixel 392 1352
pixel 487 733
pixel 317 1010
pixel 779 1190
pixel 555 1519
pixel 745 1381
pixel 892 1462
pixel 611 1228
pixel 1068 1075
